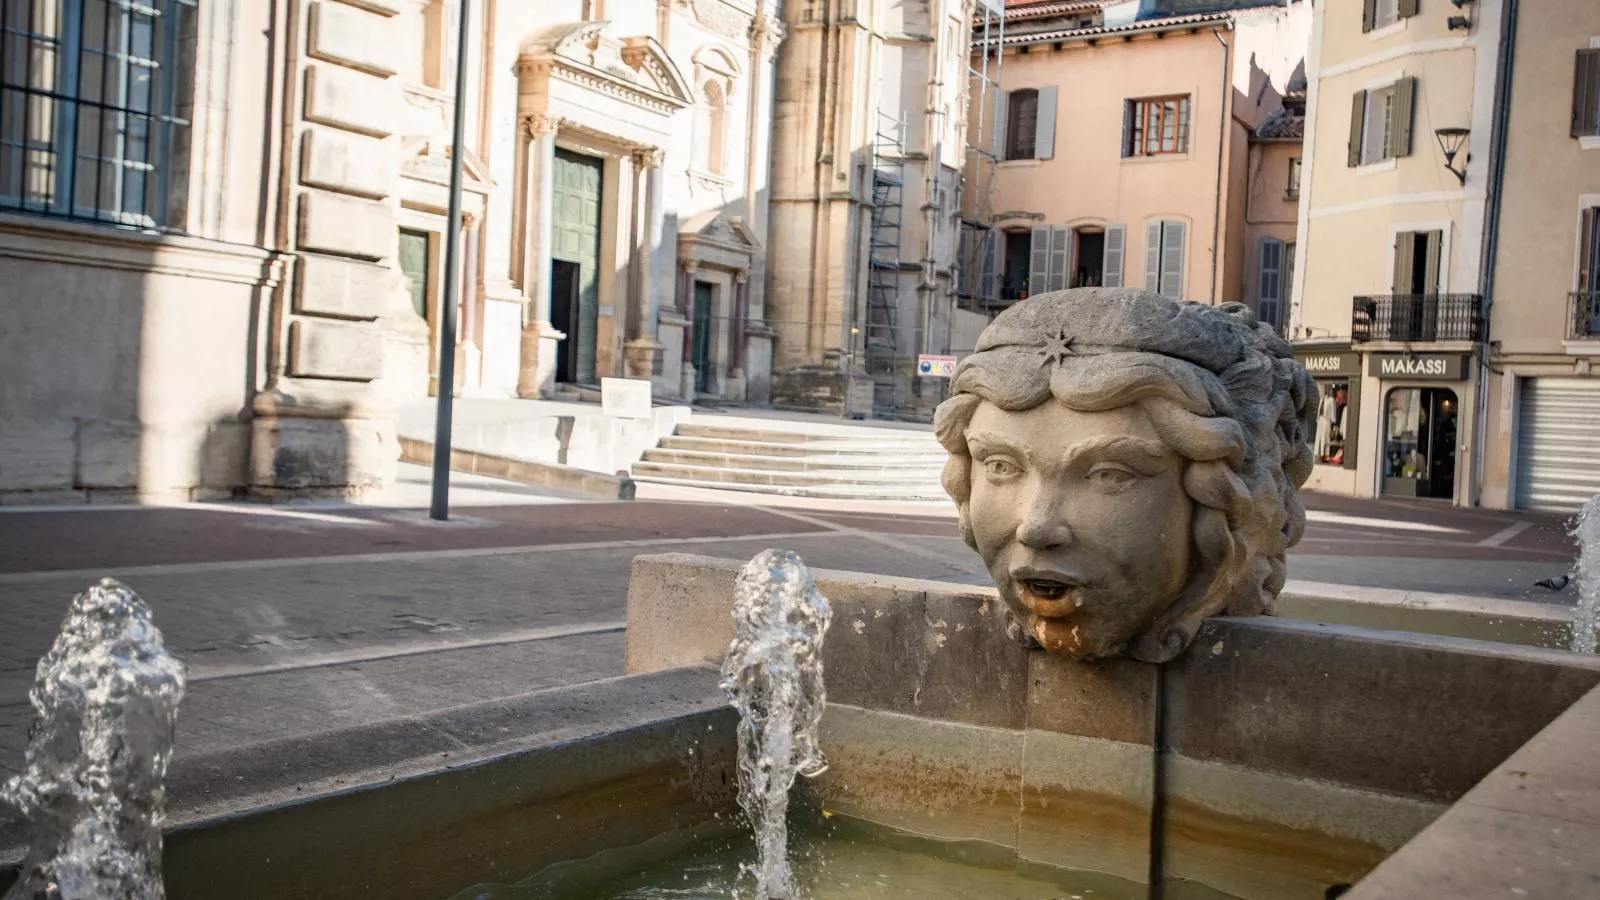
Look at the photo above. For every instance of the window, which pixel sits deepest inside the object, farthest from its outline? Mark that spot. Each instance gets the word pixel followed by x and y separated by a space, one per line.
pixel 1156 126
pixel 1026 123
pixel 1586 299
pixel 413 258
pixel 1164 246
pixel 94 101
pixel 1416 262
pixel 1022 123
pixel 1383 13
pixel 1269 292
pixel 1060 258
pixel 439 45
pixel 1380 122
pixel 1586 94
pixel 710 128
pixel 1293 191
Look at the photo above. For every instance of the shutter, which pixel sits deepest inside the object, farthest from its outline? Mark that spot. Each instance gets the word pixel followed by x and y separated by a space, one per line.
pixel 1403 261
pixel 964 255
pixel 987 270
pixel 1127 128
pixel 1152 256
pixel 1408 8
pixel 1271 284
pixel 1557 431
pixel 1358 116
pixel 1039 260
pixel 1111 261
pixel 1586 249
pixel 1059 276
pixel 997 123
pixel 1369 14
pixel 1183 125
pixel 1430 282
pixel 1586 94
pixel 1172 247
pixel 1044 136
pixel 1401 114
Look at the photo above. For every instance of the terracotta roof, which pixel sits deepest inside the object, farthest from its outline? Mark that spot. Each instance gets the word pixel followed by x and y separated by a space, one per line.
pixel 1282 125
pixel 1016 12
pixel 1041 37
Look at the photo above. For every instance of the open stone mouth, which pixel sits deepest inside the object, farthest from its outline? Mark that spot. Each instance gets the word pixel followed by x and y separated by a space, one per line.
pixel 1046 589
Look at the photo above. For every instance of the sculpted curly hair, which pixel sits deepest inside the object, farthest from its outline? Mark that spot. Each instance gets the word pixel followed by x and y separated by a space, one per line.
pixel 1219 387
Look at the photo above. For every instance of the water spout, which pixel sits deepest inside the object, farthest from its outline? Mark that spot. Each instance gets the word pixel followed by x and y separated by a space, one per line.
pixel 773 677
pixel 1587 533
pixel 105 703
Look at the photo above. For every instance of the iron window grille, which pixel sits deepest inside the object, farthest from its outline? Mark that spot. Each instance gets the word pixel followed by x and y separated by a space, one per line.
pixel 95 107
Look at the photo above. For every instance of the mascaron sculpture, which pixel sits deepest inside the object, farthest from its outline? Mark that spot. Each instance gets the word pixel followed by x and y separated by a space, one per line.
pixel 1127 466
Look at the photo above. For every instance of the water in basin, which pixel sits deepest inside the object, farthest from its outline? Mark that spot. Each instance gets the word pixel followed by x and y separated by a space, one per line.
pixel 841 860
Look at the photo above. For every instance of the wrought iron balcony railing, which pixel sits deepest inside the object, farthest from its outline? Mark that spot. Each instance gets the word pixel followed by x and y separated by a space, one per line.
pixel 1584 318
pixel 1418 318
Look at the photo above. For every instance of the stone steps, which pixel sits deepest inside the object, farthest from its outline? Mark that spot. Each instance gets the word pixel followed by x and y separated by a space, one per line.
pixel 823 460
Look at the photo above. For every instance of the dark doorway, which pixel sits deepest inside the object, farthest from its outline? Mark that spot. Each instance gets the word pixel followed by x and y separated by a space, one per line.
pixel 1015 285
pixel 1419 443
pixel 576 239
pixel 703 295
pixel 1091 257
pixel 564 314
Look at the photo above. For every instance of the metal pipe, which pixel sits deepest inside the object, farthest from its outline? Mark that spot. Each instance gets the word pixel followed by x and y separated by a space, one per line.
pixel 1491 241
pixel 1222 142
pixel 451 288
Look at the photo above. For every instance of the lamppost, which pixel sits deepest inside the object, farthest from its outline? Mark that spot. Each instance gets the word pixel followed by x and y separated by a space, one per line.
pixel 451 293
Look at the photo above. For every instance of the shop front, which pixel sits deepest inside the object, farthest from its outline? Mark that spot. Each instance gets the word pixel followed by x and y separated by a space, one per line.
pixel 1337 370
pixel 1422 422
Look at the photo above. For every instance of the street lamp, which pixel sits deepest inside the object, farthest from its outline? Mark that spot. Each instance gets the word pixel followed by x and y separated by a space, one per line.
pixel 1451 140
pixel 451 292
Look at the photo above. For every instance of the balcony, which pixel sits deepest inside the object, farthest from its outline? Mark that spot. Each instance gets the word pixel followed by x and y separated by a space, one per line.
pixel 1583 319
pixel 1418 318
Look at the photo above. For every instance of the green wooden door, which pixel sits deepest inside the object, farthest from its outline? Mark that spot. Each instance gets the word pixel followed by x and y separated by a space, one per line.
pixel 577 240
pixel 702 335
pixel 414 263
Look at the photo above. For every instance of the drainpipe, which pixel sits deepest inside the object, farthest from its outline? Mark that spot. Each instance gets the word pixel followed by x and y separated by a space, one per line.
pixel 1491 241
pixel 1222 142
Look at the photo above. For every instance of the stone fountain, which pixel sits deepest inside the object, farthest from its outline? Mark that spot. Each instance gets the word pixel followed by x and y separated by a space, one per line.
pixel 1122 705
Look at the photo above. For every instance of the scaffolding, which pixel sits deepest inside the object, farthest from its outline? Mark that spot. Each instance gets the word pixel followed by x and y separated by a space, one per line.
pixel 980 242
pixel 883 244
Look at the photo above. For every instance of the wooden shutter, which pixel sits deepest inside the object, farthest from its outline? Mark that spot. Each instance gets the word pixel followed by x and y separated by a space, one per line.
pixel 1183 125
pixel 1401 115
pixel 1044 137
pixel 1586 94
pixel 1358 117
pixel 1404 253
pixel 988 267
pixel 1270 286
pixel 1039 260
pixel 1127 127
pixel 1369 14
pixel 1111 261
pixel 1408 8
pixel 1059 275
pixel 1172 248
pixel 1430 281
pixel 997 123
pixel 1588 266
pixel 1152 256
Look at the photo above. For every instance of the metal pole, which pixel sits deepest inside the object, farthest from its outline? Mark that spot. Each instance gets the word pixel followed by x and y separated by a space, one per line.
pixel 451 287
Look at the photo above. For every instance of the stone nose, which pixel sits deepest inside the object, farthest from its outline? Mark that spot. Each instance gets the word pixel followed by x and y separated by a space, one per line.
pixel 1043 527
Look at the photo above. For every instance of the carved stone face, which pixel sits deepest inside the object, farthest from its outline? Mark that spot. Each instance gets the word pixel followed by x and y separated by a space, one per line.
pixel 1082 520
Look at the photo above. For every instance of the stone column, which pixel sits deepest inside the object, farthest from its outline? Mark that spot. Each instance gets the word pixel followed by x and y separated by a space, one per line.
pixel 741 310
pixel 469 354
pixel 642 346
pixel 538 335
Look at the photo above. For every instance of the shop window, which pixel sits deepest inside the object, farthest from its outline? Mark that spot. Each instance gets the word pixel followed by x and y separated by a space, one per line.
pixel 1419 444
pixel 1333 412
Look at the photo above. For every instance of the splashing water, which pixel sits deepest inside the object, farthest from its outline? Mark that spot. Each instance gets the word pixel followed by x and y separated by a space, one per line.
pixel 1585 615
pixel 773 677
pixel 105 702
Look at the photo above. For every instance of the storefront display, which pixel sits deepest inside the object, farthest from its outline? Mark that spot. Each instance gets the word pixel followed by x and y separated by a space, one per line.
pixel 1419 447
pixel 1331 416
pixel 1338 375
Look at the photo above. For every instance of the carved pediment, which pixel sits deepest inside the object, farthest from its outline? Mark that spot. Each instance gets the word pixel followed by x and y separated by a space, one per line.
pixel 636 68
pixel 719 240
pixel 425 143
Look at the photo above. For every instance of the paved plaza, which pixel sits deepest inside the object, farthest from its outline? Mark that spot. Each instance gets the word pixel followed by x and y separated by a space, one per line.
pixel 304 620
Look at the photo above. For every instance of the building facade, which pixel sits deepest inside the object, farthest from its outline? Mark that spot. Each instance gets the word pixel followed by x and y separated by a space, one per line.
pixel 1443 291
pixel 1126 148
pixel 868 152
pixel 238 207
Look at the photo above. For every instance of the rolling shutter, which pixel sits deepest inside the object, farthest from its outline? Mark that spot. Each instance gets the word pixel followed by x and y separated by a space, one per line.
pixel 1111 265
pixel 1044 136
pixel 1556 435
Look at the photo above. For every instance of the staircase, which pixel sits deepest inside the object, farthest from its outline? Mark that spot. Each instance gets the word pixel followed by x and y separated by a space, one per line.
pixel 833 461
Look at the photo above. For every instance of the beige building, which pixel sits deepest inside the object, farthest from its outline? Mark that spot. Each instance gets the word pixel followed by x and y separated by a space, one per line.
pixel 866 189
pixel 1126 147
pixel 1442 292
pixel 222 225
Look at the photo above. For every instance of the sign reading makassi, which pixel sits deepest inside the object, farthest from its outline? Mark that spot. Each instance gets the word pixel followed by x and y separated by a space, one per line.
pixel 1418 366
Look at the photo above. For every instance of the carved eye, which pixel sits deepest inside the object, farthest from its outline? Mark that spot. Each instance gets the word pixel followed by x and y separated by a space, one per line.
pixel 1001 469
pixel 1111 479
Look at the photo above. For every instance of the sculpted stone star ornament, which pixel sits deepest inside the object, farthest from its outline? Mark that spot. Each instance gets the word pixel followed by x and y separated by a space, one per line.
pixel 1141 479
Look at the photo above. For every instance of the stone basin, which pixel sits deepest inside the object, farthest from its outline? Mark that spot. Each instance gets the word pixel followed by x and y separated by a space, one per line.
pixel 1276 759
